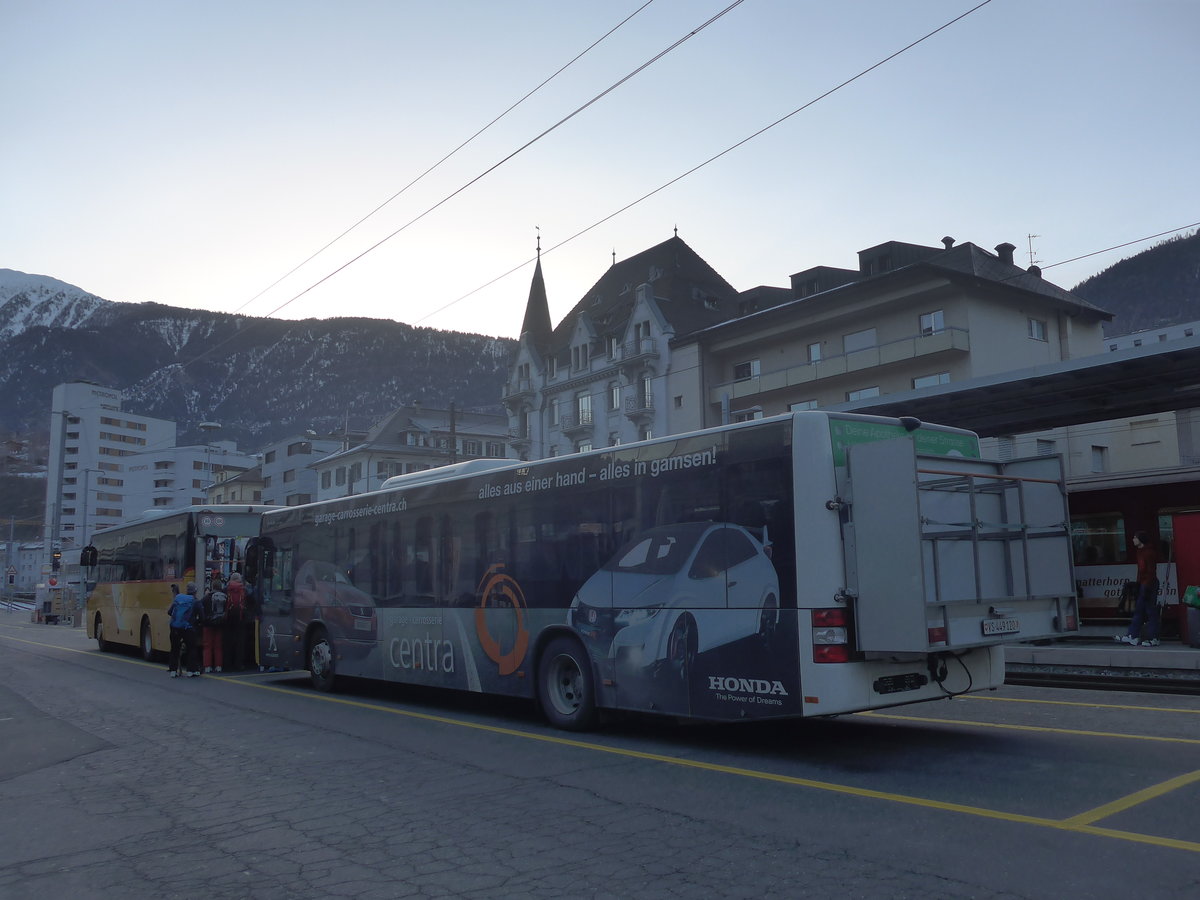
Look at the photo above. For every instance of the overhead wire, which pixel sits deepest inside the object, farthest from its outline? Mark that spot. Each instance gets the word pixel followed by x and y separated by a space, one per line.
pixel 690 34
pixel 608 90
pixel 412 183
pixel 715 157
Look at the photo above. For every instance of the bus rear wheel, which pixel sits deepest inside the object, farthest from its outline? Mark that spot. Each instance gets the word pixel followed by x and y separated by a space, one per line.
pixel 566 687
pixel 147 641
pixel 320 661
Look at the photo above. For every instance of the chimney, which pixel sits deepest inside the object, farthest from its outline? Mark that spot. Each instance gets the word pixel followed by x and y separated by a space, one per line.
pixel 1035 271
pixel 1005 252
pixel 948 241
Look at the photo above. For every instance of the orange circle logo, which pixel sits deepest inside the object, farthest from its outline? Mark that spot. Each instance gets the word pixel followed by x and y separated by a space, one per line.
pixel 500 591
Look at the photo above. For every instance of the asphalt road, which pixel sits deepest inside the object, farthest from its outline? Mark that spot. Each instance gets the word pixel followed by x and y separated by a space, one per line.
pixel 116 781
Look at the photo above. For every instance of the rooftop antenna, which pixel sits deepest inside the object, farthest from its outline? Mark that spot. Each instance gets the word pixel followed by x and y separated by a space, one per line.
pixel 1032 261
pixel 676 231
pixel 614 256
pixel 538 228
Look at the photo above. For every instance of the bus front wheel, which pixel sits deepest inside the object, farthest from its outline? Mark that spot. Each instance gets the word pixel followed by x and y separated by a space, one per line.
pixel 566 687
pixel 320 661
pixel 98 630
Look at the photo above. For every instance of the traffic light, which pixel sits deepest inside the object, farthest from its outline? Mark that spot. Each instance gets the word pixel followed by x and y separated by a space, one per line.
pixel 55 560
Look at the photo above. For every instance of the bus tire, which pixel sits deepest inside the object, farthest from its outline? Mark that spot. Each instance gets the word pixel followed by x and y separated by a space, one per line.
pixel 320 661
pixel 566 687
pixel 146 641
pixel 681 648
pixel 98 631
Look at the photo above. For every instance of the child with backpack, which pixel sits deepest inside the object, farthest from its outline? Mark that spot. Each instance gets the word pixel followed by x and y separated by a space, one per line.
pixel 215 602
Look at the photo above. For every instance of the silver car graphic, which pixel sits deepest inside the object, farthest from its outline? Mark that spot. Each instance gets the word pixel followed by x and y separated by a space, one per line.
pixel 674 592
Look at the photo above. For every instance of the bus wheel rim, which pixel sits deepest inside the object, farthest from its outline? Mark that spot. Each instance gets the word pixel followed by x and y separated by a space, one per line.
pixel 566 685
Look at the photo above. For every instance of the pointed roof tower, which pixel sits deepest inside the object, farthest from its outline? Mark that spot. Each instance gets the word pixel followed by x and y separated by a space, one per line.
pixel 536 324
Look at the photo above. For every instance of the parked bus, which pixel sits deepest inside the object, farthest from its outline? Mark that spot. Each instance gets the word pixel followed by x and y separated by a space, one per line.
pixel 132 570
pixel 809 564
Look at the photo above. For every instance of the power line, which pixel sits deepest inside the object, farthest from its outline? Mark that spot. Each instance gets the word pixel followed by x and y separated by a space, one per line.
pixel 402 190
pixel 715 157
pixel 1119 246
pixel 691 34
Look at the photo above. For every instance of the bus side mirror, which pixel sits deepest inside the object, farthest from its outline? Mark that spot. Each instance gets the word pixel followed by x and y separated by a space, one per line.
pixel 88 557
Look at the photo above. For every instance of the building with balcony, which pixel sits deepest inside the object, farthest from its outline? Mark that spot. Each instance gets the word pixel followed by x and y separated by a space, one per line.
pixel 605 374
pixel 907 318
pixel 411 439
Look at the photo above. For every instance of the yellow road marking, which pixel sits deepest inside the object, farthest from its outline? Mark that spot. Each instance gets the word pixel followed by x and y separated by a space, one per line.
pixel 1042 728
pixel 1134 799
pixel 1080 824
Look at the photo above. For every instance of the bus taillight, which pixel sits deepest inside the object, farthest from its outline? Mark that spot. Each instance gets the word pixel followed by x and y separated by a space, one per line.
pixel 830 637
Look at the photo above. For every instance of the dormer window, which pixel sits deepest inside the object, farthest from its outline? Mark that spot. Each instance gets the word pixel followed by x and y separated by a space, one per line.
pixel 551 366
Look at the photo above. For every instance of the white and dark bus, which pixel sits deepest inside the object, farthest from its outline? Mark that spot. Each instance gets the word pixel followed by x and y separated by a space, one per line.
pixel 804 565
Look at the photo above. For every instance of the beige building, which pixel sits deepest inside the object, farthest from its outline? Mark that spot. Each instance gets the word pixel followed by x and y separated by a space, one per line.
pixel 908 317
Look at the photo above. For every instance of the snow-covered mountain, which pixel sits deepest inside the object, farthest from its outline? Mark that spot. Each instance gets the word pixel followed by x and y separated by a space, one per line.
pixel 29 301
pixel 261 378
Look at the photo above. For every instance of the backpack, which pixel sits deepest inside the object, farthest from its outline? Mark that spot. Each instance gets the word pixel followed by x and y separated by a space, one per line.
pixel 214 608
pixel 235 606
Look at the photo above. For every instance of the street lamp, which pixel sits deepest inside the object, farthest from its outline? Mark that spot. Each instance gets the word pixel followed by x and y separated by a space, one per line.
pixel 208 428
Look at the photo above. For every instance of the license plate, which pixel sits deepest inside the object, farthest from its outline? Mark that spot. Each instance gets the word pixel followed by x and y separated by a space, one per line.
pixel 365 625
pixel 1001 626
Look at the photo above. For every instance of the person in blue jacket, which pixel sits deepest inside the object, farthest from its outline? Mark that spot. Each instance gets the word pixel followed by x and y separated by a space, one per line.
pixel 185 632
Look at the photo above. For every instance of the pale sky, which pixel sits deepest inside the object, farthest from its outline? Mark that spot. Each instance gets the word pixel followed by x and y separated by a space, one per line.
pixel 194 153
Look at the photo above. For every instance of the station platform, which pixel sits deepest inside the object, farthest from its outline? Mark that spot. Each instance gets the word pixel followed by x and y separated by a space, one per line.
pixel 1093 652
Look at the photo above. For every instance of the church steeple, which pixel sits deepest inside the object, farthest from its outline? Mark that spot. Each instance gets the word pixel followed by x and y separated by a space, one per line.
pixel 537 310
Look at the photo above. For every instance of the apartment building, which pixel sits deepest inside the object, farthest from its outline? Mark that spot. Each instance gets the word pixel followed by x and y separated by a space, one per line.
pixel 410 439
pixel 288 478
pixel 93 445
pixel 908 317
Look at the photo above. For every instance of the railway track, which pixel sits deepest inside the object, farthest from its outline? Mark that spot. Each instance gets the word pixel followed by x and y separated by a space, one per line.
pixel 1165 682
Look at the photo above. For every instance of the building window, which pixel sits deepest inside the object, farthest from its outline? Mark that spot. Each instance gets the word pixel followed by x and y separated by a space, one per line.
pixel 614 440
pixel 300 448
pixel 610 344
pixel 1005 448
pixel 678 401
pixel 326 479
pixel 931 380
pixel 647 398
pixel 269 457
pixel 1045 448
pixel 747 415
pixel 470 448
pixel 645 433
pixel 585 446
pixel 746 370
pixel 339 476
pixel 495 449
pixel 801 405
pixel 859 340
pixel 267 480
pixel 1099 459
pixel 552 367
pixel 553 412
pixel 932 323
pixel 862 393
pixel 814 352
pixel 1037 329
pixel 614 395
pixel 289 475
pixel 583 408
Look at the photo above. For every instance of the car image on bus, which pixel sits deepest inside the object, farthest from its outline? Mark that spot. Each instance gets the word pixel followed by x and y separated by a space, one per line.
pixel 805 565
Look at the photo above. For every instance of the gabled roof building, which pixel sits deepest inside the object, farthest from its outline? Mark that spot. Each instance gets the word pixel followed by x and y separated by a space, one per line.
pixel 605 374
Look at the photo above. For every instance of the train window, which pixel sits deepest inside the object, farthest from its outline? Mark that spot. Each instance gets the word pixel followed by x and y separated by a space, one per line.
pixel 1098 538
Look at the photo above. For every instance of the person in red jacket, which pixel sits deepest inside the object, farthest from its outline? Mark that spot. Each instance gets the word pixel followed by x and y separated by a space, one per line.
pixel 1146 610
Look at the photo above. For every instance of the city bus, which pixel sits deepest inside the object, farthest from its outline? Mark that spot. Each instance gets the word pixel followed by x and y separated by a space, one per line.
pixel 133 571
pixel 808 564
